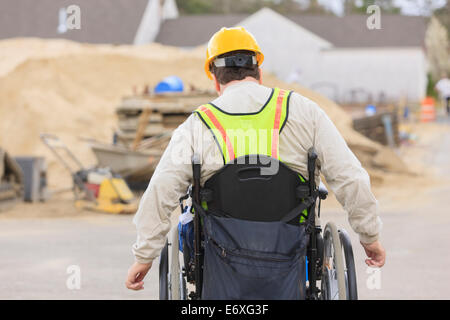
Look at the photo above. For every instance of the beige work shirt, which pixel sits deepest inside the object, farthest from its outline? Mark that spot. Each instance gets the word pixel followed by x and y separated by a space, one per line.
pixel 307 126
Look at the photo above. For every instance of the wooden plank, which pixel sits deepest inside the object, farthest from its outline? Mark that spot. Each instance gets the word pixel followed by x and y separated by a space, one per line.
pixel 143 122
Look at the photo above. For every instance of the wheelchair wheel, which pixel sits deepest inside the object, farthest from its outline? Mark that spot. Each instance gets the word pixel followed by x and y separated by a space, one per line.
pixel 172 284
pixel 174 267
pixel 350 272
pixel 164 273
pixel 178 290
pixel 333 284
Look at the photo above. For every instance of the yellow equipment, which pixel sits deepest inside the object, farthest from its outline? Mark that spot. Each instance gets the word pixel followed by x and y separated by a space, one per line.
pixel 231 39
pixel 96 189
pixel 114 196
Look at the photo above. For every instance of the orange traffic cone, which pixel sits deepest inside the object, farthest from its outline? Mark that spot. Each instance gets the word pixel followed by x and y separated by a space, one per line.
pixel 427 111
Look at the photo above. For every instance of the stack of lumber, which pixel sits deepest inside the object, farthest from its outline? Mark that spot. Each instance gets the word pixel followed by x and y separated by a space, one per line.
pixel 146 116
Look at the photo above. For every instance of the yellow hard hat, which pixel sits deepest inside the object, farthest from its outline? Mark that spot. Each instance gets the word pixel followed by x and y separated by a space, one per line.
pixel 231 39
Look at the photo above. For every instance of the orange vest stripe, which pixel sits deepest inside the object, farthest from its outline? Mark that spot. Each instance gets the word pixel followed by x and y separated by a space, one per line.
pixel 276 126
pixel 219 127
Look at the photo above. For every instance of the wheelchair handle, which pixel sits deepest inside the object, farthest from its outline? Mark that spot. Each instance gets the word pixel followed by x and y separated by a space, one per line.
pixel 196 171
pixel 196 168
pixel 312 157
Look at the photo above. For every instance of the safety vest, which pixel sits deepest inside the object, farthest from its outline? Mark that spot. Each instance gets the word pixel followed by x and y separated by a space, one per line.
pixel 241 134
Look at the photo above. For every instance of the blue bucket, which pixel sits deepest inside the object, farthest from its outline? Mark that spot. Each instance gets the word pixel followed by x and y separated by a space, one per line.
pixel 169 84
pixel 371 110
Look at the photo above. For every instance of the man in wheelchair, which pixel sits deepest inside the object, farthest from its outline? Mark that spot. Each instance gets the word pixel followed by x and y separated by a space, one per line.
pixel 254 156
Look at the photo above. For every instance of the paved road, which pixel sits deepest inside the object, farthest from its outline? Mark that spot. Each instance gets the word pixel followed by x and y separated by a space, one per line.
pixel 35 253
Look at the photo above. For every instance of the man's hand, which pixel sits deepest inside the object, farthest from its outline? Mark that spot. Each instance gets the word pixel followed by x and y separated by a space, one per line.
pixel 376 254
pixel 136 274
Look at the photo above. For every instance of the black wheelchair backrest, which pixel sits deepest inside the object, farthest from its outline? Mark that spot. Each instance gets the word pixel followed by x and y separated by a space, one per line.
pixel 247 189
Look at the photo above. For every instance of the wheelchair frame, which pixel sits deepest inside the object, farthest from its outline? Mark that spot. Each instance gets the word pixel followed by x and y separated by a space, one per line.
pixel 330 257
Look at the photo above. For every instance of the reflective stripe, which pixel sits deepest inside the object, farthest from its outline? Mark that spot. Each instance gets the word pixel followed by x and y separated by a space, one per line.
pixel 219 127
pixel 276 125
pixel 239 134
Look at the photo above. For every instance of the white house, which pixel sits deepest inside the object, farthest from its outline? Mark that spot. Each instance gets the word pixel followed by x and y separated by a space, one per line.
pixel 339 57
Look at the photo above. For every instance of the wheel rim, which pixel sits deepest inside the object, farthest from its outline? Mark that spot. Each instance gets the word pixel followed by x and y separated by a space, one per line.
pixel 163 273
pixel 333 271
pixel 175 284
pixel 350 269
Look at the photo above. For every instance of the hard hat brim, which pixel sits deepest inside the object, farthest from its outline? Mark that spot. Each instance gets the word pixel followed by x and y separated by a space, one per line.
pixel 259 59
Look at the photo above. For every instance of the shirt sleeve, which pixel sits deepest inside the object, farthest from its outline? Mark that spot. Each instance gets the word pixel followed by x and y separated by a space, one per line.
pixel 167 185
pixel 438 86
pixel 346 177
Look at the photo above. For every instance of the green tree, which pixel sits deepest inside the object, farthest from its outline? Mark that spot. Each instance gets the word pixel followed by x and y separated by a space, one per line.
pixel 360 6
pixel 443 15
pixel 431 83
pixel 249 6
pixel 315 7
pixel 437 45
pixel 195 6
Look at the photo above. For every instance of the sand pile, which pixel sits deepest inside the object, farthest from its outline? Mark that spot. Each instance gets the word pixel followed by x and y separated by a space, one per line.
pixel 71 90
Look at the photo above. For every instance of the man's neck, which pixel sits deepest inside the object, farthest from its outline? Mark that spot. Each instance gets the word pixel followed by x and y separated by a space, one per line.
pixel 234 82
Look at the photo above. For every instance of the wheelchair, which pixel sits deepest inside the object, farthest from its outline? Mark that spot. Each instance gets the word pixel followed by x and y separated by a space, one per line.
pixel 329 266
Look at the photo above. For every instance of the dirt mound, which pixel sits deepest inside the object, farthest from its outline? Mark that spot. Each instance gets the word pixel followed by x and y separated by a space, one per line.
pixel 72 89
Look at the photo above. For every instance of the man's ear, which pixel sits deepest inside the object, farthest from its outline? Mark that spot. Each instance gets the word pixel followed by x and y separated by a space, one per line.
pixel 216 84
pixel 260 75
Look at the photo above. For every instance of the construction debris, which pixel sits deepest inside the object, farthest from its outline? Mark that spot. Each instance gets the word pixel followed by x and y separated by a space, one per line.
pixel 374 127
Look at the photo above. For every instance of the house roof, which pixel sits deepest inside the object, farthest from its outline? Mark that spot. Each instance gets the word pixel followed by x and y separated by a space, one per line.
pixel 348 31
pixel 116 21
pixel 194 30
pixel 352 31
pixel 102 21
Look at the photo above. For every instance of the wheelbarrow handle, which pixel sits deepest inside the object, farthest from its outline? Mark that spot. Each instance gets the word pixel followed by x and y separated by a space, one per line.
pixel 53 142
